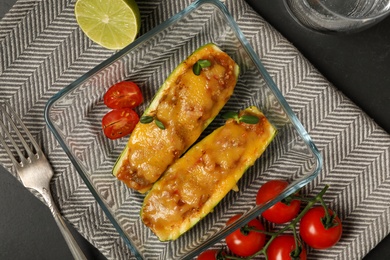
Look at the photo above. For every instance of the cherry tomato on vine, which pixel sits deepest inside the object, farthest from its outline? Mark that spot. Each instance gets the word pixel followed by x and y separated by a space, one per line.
pixel 210 254
pixel 119 122
pixel 245 243
pixel 280 212
pixel 283 248
pixel 124 94
pixel 317 231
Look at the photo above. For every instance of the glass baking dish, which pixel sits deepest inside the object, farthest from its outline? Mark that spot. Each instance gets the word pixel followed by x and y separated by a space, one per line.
pixel 74 116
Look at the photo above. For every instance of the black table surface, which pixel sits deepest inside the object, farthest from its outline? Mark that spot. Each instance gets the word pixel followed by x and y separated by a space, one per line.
pixel 357 64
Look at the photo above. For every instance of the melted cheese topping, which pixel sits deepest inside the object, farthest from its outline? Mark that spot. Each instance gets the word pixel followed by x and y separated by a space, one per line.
pixel 185 108
pixel 192 186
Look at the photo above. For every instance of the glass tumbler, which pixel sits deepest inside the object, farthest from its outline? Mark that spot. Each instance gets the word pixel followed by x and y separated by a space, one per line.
pixel 338 15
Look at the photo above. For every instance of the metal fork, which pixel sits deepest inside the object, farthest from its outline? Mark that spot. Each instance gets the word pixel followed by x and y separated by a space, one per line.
pixel 33 168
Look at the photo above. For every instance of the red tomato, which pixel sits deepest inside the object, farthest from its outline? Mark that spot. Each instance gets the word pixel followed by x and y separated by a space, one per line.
pixel 280 212
pixel 313 231
pixel 282 248
pixel 211 254
pixel 124 94
pixel 119 122
pixel 245 244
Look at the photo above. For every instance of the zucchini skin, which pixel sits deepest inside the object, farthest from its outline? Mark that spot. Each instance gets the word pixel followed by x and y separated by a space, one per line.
pixel 199 180
pixel 185 104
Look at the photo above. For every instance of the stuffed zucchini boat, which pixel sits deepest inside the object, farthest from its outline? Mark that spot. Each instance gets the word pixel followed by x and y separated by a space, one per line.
pixel 201 178
pixel 183 107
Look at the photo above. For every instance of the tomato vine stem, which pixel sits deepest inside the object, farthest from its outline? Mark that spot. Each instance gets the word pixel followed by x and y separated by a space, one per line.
pixel 290 226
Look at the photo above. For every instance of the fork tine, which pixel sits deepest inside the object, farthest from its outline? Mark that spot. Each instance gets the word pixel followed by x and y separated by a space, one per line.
pixel 13 123
pixel 5 145
pixel 18 120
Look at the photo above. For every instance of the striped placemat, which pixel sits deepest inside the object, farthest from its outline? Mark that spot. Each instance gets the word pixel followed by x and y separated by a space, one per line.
pixel 43 50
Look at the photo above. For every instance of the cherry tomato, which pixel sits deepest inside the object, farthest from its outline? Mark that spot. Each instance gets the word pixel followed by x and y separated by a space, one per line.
pixel 282 248
pixel 313 231
pixel 245 244
pixel 124 94
pixel 280 212
pixel 119 122
pixel 211 254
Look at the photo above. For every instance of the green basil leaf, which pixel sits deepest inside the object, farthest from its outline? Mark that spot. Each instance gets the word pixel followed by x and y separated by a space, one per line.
pixel 248 119
pixel 196 68
pixel 146 119
pixel 204 63
pixel 230 114
pixel 159 124
pixel 199 65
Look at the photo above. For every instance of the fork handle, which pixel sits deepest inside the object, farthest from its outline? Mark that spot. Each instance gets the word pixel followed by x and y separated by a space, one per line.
pixel 69 239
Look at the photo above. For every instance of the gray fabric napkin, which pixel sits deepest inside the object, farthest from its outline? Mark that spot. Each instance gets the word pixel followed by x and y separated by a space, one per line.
pixel 43 50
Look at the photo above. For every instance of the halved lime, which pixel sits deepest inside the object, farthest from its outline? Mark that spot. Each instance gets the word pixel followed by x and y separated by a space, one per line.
pixel 111 23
